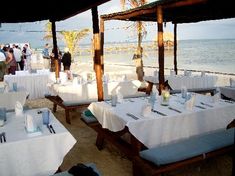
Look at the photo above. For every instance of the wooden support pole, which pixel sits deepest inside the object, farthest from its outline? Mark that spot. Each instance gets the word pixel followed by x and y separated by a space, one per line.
pixel 102 43
pixel 160 48
pixel 97 57
pixel 175 48
pixel 55 48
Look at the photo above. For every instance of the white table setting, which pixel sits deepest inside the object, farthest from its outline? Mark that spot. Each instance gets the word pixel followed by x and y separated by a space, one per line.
pixel 158 124
pixel 188 80
pixel 30 148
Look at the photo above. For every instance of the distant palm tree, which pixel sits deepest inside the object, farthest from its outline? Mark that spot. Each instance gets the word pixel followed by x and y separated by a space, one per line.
pixel 71 38
pixel 141 32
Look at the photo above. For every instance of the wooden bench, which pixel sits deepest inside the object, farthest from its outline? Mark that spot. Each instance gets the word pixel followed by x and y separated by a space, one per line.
pixel 211 90
pixel 165 158
pixel 129 148
pixel 66 106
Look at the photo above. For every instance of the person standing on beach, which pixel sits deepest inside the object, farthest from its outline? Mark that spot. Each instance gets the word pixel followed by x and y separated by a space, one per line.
pixel 66 60
pixel 28 54
pixel 17 54
pixel 10 60
pixel 46 56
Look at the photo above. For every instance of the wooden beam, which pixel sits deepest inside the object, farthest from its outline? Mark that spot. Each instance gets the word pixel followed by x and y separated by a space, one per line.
pixel 55 48
pixel 97 58
pixel 160 48
pixel 184 3
pixel 102 43
pixel 128 15
pixel 175 48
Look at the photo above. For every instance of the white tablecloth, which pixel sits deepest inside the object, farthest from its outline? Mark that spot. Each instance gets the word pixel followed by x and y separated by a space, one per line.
pixel 88 91
pixel 26 155
pixel 8 99
pixel 191 82
pixel 35 84
pixel 229 92
pixel 156 129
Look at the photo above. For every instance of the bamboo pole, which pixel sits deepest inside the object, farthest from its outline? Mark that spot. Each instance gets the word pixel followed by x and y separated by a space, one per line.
pixel 160 48
pixel 97 58
pixel 175 48
pixel 55 48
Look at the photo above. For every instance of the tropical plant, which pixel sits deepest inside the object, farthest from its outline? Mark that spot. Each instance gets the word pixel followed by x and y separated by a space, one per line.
pixel 141 32
pixel 48 35
pixel 72 38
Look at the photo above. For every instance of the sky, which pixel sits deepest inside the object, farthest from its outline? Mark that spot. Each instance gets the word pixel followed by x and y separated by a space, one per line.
pixel 115 30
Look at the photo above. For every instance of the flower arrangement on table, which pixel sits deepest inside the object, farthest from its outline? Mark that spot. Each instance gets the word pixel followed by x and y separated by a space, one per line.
pixel 165 97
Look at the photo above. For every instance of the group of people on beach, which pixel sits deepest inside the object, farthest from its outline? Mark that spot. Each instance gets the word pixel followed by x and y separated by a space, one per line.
pixel 49 58
pixel 13 58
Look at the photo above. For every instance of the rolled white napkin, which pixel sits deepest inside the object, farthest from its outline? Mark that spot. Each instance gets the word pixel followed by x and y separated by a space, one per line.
pixel 216 97
pixel 30 124
pixel 232 82
pixel 146 110
pixel 6 87
pixel 119 97
pixel 75 81
pixel 189 104
pixel 18 108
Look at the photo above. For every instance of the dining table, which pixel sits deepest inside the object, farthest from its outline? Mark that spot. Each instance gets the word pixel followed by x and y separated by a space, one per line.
pixel 33 153
pixel 176 82
pixel 228 92
pixel 155 124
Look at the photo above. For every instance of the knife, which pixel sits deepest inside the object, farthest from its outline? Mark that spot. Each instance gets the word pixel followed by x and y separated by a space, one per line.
pixel 52 129
pixel 201 107
pixel 131 115
pixel 49 128
pixel 206 104
pixel 174 109
pixel 158 112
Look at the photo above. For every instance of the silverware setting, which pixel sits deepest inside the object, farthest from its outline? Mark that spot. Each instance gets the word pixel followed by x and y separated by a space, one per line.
pixel 158 112
pixel 3 137
pixel 201 107
pixel 207 104
pixel 176 110
pixel 51 129
pixel 132 116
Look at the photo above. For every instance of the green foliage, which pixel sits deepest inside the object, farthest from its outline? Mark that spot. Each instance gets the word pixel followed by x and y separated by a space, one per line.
pixel 72 38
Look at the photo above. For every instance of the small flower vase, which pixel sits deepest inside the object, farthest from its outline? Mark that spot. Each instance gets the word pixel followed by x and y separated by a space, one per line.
pixel 165 98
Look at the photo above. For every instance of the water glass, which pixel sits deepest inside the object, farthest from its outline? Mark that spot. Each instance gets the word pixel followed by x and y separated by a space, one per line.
pixel 46 116
pixel 113 100
pixel 3 113
pixel 184 92
pixel 14 85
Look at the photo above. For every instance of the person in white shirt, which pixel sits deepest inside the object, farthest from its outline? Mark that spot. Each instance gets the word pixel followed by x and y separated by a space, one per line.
pixel 17 53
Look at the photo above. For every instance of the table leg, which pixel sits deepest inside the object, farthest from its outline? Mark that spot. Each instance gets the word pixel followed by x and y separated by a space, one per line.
pixel 67 116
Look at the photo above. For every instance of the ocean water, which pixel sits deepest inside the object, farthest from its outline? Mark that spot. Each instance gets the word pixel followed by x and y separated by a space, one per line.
pixel 206 55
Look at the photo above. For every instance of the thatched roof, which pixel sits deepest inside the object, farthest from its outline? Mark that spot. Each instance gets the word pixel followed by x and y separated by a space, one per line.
pixel 178 11
pixel 30 11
